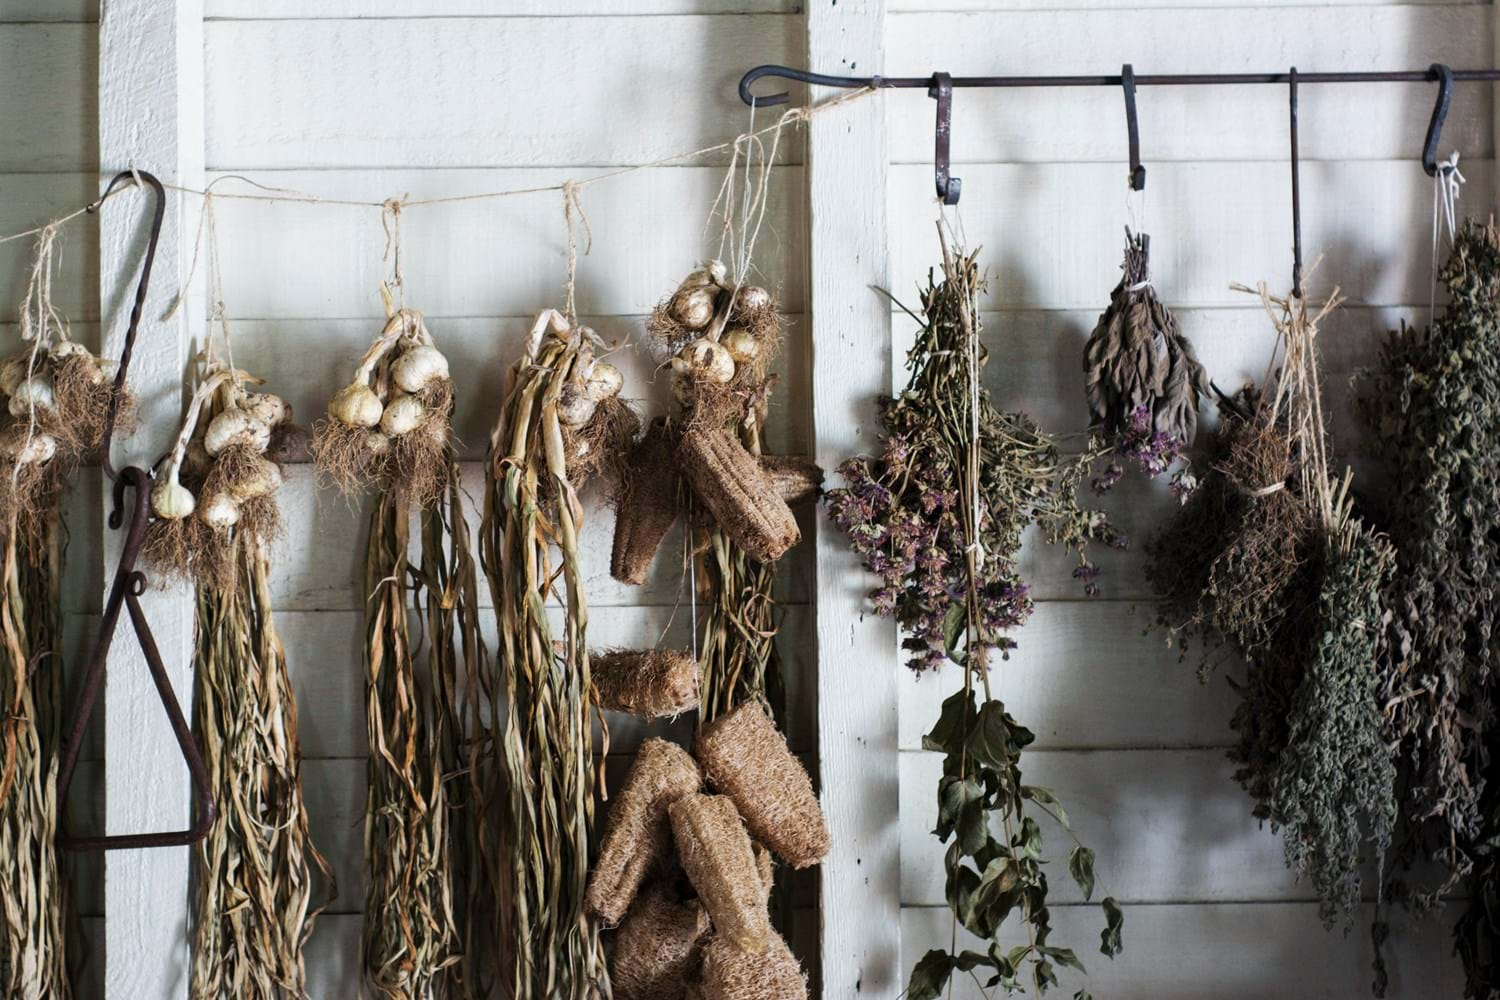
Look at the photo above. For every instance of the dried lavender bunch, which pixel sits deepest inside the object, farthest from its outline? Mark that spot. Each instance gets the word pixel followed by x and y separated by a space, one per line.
pixel 939 516
pixel 1141 376
pixel 903 511
pixel 1432 400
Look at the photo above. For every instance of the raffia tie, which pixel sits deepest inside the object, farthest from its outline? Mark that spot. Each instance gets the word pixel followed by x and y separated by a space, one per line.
pixel 573 206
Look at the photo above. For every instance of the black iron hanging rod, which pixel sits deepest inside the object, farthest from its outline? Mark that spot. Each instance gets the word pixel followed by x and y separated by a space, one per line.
pixel 1106 80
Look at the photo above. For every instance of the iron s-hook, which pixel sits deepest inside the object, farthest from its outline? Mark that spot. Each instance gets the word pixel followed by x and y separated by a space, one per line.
pixel 1132 129
pixel 801 76
pixel 1439 115
pixel 124 596
pixel 948 186
pixel 1296 189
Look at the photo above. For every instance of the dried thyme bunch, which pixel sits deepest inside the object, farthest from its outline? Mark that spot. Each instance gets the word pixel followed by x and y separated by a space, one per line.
pixel 543 746
pixel 939 516
pixel 1141 376
pixel 1432 401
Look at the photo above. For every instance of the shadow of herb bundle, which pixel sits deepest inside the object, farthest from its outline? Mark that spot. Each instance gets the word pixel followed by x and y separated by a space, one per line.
pixel 939 517
pixel 1433 401
pixel 1141 376
pixel 1268 555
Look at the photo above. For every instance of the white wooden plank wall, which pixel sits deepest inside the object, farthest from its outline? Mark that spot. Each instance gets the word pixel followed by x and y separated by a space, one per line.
pixel 1128 738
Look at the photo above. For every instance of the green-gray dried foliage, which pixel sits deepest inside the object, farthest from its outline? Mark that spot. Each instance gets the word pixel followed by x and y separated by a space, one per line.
pixel 1141 376
pixel 1333 790
pixel 940 517
pixel 1434 402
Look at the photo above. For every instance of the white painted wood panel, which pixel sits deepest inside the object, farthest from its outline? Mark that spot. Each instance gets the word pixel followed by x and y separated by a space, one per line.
pixel 33 199
pixel 500 257
pixel 545 90
pixel 1366 121
pixel 51 10
pixel 48 74
pixel 1230 951
pixel 1053 234
pixel 325 9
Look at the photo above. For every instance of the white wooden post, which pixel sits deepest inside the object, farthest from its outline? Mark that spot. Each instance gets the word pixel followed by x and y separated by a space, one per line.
pixel 150 118
pixel 857 656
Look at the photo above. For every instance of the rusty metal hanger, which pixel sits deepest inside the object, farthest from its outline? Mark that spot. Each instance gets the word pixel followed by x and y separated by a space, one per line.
pixel 948 186
pixel 1132 129
pixel 125 592
pixel 1296 186
pixel 1439 116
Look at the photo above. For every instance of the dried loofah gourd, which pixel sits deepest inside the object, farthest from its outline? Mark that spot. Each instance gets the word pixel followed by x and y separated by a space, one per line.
pixel 656 948
pixel 650 683
pixel 1141 376
pixel 637 831
pixel 732 974
pixel 743 500
pixel 648 503
pixel 746 757
pixel 715 852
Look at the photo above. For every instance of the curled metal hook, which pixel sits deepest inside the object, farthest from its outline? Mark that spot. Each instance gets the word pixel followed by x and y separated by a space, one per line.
pixel 801 76
pixel 124 595
pixel 1137 178
pixel 1439 116
pixel 948 186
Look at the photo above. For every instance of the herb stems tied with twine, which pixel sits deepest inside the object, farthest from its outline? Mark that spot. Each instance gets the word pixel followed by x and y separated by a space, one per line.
pixel 552 426
pixel 939 517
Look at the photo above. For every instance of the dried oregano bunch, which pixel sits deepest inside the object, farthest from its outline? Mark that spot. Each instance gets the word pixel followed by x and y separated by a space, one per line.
pixel 939 516
pixel 1268 555
pixel 1432 400
pixel 1141 376
pixel 556 400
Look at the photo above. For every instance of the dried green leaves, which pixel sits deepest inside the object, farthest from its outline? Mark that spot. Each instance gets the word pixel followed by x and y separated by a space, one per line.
pixel 1140 374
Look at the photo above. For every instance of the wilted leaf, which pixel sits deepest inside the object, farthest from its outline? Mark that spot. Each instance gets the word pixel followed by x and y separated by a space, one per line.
pixel 1081 867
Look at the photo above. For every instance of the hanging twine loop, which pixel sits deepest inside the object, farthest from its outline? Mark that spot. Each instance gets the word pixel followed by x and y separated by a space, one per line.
pixel 1447 185
pixel 40 320
pixel 572 207
pixel 393 288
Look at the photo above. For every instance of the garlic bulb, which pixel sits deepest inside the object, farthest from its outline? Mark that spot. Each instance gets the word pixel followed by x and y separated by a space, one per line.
pixel 715 271
pixel 33 393
pixel 269 409
pixel 693 309
pixel 378 443
pixel 236 427
pixel 26 446
pixel 171 500
pixel 417 367
pixel 403 415
pixel 741 344
pixel 263 479
pixel 65 349
pixel 603 381
pixel 103 370
pixel 751 298
pixel 356 405
pixel 575 407
pixel 221 511
pixel 709 359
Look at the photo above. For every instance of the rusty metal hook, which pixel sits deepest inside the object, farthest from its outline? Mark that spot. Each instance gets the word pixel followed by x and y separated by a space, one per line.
pixel 1137 178
pixel 948 186
pixel 1296 188
pixel 1439 116
pixel 125 592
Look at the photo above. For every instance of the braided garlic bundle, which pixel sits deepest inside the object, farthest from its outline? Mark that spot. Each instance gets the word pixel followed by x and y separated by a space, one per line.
pixel 390 424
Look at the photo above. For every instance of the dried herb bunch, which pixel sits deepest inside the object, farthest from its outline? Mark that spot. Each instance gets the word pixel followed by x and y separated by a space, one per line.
pixel 542 743
pixel 720 334
pixel 939 516
pixel 1141 376
pixel 1269 555
pixel 253 905
pixel 388 432
pixel 56 396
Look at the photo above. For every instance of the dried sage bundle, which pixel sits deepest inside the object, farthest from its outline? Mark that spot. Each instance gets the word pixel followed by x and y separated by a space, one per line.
pixel 939 516
pixel 1141 376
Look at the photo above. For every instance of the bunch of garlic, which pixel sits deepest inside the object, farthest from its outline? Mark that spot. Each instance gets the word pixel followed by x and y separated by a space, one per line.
pixel 712 318
pixel 400 381
pixel 42 424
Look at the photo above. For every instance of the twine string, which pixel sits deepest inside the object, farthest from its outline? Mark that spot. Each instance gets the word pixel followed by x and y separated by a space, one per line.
pixel 390 221
pixel 1446 185
pixel 571 207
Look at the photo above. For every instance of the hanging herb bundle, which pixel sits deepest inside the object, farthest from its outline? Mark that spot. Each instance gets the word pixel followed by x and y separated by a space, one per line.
pixel 1141 376
pixel 56 397
pixel 389 431
pixel 1269 555
pixel 1431 401
pixel 215 513
pixel 939 517
pixel 561 419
